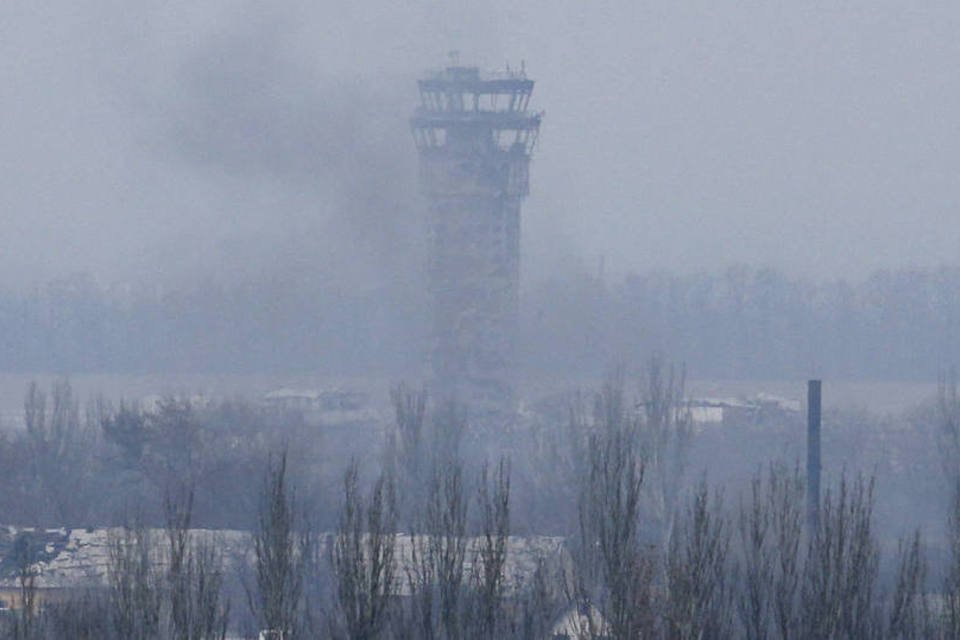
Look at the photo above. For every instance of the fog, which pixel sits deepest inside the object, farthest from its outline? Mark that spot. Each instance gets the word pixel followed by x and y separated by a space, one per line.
pixel 233 331
pixel 228 139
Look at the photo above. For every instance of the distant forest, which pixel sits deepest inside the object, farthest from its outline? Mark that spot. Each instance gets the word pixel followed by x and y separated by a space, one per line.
pixel 739 323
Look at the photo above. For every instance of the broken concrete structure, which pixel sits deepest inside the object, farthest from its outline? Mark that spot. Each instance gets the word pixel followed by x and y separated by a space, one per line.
pixel 475 135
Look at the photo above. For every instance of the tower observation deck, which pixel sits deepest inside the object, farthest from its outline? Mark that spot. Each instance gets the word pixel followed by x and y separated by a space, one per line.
pixel 475 135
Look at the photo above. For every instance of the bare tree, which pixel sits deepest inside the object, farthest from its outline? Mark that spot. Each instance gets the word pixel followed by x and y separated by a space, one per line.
pixel 448 423
pixel 57 443
pixel 194 576
pixel 446 534
pixel 910 615
pixel 665 429
pixel 136 592
pixel 785 493
pixel 770 561
pixel 409 443
pixel 438 554
pixel 494 504
pixel 363 557
pixel 951 585
pixel 697 571
pixel 27 623
pixel 556 465
pixel 420 618
pixel 948 416
pixel 611 570
pixel 754 597
pixel 280 552
pixel 839 594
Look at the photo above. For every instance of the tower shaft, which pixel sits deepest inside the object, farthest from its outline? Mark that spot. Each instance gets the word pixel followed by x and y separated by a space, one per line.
pixel 475 136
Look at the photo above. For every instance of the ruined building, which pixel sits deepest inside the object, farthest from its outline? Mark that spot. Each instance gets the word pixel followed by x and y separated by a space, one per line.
pixel 475 135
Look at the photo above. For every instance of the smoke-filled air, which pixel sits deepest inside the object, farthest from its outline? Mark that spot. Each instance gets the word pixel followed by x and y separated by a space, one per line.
pixel 479 320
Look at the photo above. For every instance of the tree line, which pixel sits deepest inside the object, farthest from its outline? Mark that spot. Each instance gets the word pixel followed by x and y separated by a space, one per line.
pixel 743 322
pixel 649 551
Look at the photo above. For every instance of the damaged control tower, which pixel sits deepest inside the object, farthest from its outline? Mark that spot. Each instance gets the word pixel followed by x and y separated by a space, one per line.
pixel 475 136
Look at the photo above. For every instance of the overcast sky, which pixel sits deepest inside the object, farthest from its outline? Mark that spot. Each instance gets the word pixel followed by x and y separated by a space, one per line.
pixel 152 140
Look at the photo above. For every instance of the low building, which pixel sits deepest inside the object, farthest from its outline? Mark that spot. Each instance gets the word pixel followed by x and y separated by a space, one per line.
pixel 329 407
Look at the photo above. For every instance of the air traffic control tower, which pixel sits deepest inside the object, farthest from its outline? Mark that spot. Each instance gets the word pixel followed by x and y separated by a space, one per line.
pixel 475 135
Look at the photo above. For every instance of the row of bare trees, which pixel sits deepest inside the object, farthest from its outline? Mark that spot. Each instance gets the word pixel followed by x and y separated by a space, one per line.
pixel 86 464
pixel 422 548
pixel 753 571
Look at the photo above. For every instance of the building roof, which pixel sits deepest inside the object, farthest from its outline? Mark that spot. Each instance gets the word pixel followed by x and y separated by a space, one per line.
pixel 80 558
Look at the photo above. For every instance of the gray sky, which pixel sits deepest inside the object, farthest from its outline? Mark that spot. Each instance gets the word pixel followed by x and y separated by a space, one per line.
pixel 155 139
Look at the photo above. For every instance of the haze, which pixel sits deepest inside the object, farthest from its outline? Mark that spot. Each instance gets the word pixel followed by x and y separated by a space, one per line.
pixel 255 384
pixel 164 140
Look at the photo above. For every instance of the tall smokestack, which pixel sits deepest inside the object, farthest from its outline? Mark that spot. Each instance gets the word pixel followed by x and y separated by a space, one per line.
pixel 813 455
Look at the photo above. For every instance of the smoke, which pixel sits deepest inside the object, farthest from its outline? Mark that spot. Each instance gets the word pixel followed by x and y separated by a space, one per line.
pixel 157 141
pixel 171 141
pixel 315 163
